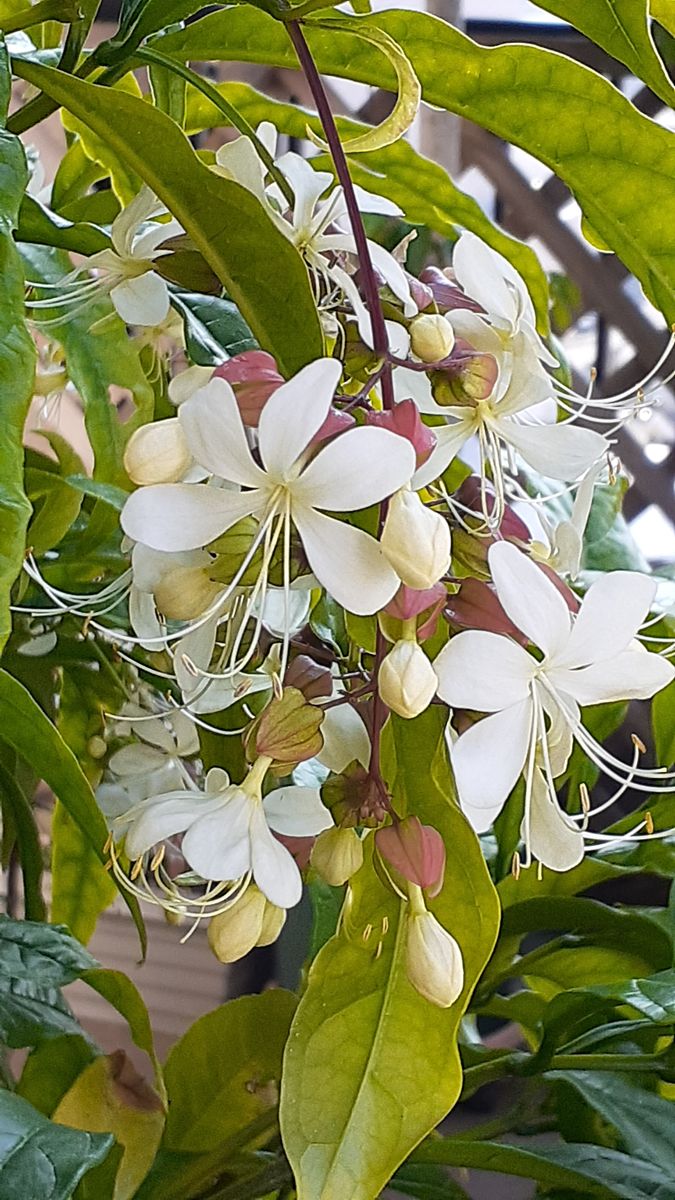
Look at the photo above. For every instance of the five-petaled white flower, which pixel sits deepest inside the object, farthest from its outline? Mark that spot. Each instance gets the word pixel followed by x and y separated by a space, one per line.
pixel 228 830
pixel 293 485
pixel 535 703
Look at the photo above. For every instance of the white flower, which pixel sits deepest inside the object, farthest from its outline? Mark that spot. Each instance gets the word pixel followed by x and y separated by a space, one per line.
pixel 356 469
pixel 534 705
pixel 228 830
pixel 434 962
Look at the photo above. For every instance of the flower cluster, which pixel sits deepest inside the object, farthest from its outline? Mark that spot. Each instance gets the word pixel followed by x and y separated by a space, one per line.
pixel 310 555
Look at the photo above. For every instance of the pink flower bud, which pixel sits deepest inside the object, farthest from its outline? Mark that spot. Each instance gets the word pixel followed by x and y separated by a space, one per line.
pixel 410 602
pixel 512 527
pixel 571 599
pixel 421 293
pixel 309 678
pixel 446 293
pixel 476 607
pixel 253 376
pixel 336 422
pixel 415 850
pixel 404 419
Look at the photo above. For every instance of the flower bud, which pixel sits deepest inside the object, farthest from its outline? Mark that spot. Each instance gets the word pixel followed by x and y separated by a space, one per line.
pixel 445 290
pixel 337 854
pixel 185 593
pixel 433 960
pixel 415 540
pixel 157 453
pixel 236 931
pixel 253 377
pixel 404 419
pixel 288 729
pixel 431 337
pixel 308 677
pixel 415 850
pixel 274 919
pixel 406 680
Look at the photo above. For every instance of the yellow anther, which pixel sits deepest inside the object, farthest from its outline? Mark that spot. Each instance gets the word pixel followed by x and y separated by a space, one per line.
pixel 516 865
pixel 638 743
pixel 367 932
pixel 136 869
pixel 649 822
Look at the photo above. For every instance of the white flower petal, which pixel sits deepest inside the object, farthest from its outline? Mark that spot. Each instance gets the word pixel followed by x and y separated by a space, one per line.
pixel 274 870
pixel 280 618
pixel 557 451
pixel 553 841
pixel 348 563
pixel 184 516
pixel 296 811
pixel 487 761
pixel 218 845
pixel 630 675
pixel 143 207
pixel 294 413
pixel 136 760
pixel 529 598
pixel 307 184
pixel 187 382
pixel 370 203
pixel 449 442
pixel 143 300
pixel 345 739
pixel 239 160
pixel 197 646
pixel 611 613
pixel 215 435
pixel 164 816
pixel 358 468
pixel 144 619
pixel 480 272
pixel 483 671
pixel 146 244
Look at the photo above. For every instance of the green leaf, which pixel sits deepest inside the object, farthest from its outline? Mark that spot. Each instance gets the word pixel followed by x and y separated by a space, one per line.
pixel 426 1181
pixel 662 11
pixel 47 954
pixel 15 803
pixel 663 725
pixel 591 1170
pixel 118 990
pixel 408 92
pixel 138 18
pixel 214 327
pixel 51 1069
pixel 623 29
pixel 213 1096
pixel 56 505
pixel 17 364
pixel 82 889
pixel 423 189
pixel 382 1057
pixel 565 115
pixel 25 728
pixel 262 271
pixel 41 1160
pixel 96 361
pixel 39 225
pixel 644 1120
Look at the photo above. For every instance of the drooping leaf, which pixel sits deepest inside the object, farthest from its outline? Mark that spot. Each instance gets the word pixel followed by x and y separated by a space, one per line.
pixel 37 224
pixel 622 28
pixel 17 360
pixel 25 728
pixel 565 115
pixel 41 1160
pixel 422 188
pixel 382 1056
pixel 109 1096
pixel 212 1096
pixel 261 270
pixel 591 1170
pixel 17 808
pixel 122 993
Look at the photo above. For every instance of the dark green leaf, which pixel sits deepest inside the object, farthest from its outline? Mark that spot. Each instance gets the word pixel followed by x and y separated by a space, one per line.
pixel 644 1120
pixel 46 954
pixel 262 271
pixel 17 808
pixel 25 728
pixel 40 1160
pixel 214 327
pixel 37 224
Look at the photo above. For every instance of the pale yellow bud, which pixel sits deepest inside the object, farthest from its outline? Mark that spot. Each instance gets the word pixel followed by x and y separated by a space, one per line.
pixel 433 960
pixel 337 854
pixel 234 932
pixel 406 680
pixel 274 919
pixel 416 541
pixel 185 592
pixel 431 337
pixel 157 453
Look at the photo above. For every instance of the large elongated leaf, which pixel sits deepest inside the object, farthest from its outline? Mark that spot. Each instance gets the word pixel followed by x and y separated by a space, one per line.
pixel 17 363
pixel 381 1056
pixel 260 268
pixel 47 954
pixel 25 728
pixel 622 28
pixel 423 189
pixel 122 993
pixel 590 1170
pixel 41 1160
pixel 564 114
